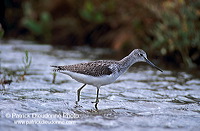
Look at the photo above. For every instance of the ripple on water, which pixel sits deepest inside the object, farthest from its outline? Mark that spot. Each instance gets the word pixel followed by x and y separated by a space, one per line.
pixel 141 99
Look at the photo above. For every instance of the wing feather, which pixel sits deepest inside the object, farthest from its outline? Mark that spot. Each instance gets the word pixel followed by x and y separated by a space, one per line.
pixel 95 68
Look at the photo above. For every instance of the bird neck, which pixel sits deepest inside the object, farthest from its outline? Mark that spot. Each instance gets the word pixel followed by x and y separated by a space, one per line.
pixel 127 61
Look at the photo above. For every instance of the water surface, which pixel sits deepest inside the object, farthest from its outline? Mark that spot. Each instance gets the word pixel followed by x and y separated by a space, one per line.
pixel 141 99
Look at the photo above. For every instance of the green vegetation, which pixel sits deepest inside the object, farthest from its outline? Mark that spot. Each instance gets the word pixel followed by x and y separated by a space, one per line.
pixel 1 31
pixel 40 28
pixel 27 62
pixel 8 75
pixel 179 31
pixel 89 13
pixel 54 77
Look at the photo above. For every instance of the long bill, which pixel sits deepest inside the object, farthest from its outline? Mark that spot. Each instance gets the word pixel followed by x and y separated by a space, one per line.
pixel 150 63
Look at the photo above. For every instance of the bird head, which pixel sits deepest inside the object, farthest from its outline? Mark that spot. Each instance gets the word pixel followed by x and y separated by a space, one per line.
pixel 141 56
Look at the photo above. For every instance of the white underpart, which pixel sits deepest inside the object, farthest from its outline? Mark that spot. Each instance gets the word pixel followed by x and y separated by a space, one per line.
pixel 92 80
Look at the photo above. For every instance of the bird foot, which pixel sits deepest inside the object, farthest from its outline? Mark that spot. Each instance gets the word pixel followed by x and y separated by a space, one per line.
pixel 96 103
pixel 76 102
pixel 77 105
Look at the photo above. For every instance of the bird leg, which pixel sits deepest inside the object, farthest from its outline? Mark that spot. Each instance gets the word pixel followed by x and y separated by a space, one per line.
pixel 97 98
pixel 79 92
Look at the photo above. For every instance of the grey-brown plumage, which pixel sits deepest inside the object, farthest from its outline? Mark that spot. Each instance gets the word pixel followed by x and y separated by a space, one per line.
pixel 94 68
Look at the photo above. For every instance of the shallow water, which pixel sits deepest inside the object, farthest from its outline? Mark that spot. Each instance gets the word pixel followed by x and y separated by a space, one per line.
pixel 141 99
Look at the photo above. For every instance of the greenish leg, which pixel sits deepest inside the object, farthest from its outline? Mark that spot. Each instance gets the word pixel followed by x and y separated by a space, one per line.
pixel 97 98
pixel 79 92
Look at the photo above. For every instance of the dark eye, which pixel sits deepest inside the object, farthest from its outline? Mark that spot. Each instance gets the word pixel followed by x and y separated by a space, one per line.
pixel 141 54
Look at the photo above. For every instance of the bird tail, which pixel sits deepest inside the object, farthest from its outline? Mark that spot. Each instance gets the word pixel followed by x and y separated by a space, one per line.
pixel 57 68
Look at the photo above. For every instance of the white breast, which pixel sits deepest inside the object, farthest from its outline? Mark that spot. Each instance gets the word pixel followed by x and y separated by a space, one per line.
pixel 92 80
